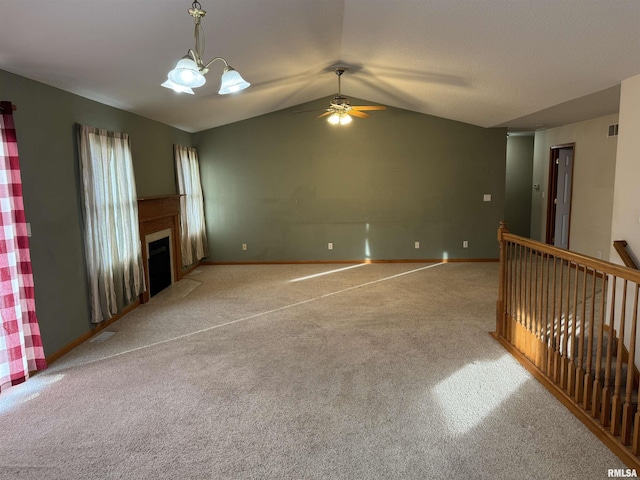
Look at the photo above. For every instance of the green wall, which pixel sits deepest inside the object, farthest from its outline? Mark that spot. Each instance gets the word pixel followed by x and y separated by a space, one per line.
pixel 519 184
pixel 45 127
pixel 284 184
pixel 287 184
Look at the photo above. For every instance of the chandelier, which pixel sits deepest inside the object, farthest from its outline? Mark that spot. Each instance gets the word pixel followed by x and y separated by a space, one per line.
pixel 190 70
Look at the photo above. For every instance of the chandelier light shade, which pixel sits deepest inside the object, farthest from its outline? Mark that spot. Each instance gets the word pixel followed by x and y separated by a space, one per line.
pixel 231 81
pixel 177 88
pixel 187 74
pixel 190 70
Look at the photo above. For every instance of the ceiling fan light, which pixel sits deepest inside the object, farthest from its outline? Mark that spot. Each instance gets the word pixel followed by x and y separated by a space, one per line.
pixel 339 118
pixel 187 74
pixel 177 88
pixel 231 82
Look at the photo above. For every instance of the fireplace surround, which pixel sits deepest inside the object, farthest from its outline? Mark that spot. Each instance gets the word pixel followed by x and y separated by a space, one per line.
pixel 159 217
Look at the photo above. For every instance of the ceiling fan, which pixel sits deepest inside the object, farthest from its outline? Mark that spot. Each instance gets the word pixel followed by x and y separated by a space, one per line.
pixel 340 109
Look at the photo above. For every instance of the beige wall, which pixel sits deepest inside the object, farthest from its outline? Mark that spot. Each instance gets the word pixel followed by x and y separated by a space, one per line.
pixel 593 183
pixel 626 198
pixel 625 223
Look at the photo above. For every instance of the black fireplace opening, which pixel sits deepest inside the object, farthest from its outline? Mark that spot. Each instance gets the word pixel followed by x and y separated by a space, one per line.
pixel 159 265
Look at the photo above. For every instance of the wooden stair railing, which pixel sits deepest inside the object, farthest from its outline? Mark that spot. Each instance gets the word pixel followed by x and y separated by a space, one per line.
pixel 627 259
pixel 572 321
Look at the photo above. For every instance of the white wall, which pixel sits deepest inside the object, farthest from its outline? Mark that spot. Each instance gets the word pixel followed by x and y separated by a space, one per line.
pixel 626 197
pixel 593 183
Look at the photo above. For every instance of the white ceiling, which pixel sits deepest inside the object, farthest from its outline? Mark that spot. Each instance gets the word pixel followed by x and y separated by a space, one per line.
pixel 517 63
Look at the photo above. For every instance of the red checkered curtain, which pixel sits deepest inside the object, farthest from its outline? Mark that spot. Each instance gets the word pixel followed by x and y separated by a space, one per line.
pixel 20 343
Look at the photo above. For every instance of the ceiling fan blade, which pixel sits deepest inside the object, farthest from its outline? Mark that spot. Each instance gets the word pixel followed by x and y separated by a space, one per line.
pixel 324 114
pixel 313 110
pixel 368 107
pixel 356 113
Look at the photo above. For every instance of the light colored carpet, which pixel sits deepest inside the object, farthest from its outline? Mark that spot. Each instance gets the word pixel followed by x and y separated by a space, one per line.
pixel 382 371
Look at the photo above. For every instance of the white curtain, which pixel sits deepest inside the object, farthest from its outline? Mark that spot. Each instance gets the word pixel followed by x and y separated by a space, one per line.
pixel 112 239
pixel 193 228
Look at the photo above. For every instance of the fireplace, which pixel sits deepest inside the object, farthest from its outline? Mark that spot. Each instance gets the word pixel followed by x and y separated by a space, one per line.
pixel 159 261
pixel 159 220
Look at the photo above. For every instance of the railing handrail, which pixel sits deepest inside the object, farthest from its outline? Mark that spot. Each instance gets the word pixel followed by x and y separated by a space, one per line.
pixel 579 258
pixel 555 309
pixel 627 259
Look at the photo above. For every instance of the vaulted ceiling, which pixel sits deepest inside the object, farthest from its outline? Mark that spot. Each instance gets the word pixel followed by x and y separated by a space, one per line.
pixel 515 63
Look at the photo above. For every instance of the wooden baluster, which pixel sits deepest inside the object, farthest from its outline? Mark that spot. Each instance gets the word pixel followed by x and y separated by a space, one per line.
pixel 507 290
pixel 516 288
pixel 519 334
pixel 514 311
pixel 552 326
pixel 616 401
pixel 523 301
pixel 571 350
pixel 605 412
pixel 512 294
pixel 635 444
pixel 500 304
pixel 538 296
pixel 564 359
pixel 596 403
pixel 629 409
pixel 530 312
pixel 579 372
pixel 544 299
pixel 557 360
pixel 588 378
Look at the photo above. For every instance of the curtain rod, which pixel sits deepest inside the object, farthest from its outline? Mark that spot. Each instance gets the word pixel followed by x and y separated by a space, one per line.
pixel 3 105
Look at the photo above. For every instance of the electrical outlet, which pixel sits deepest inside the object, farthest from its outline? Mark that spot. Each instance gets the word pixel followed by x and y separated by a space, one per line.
pixel 486 197
pixel 417 244
pixel 244 246
pixel 330 246
pixel 465 244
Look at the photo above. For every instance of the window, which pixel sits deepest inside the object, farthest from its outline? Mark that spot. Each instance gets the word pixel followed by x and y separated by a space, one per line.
pixel 112 240
pixel 193 227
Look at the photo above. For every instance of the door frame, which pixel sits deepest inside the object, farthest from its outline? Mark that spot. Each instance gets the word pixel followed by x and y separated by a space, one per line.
pixel 552 190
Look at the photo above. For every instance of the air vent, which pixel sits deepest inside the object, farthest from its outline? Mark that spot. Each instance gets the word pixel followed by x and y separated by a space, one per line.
pixel 102 337
pixel 613 130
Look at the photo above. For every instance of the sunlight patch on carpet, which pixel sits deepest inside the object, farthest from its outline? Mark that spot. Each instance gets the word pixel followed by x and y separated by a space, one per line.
pixel 327 273
pixel 267 312
pixel 12 397
pixel 472 393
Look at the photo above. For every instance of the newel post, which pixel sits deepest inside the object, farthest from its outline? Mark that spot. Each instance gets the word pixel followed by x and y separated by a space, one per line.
pixel 500 305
